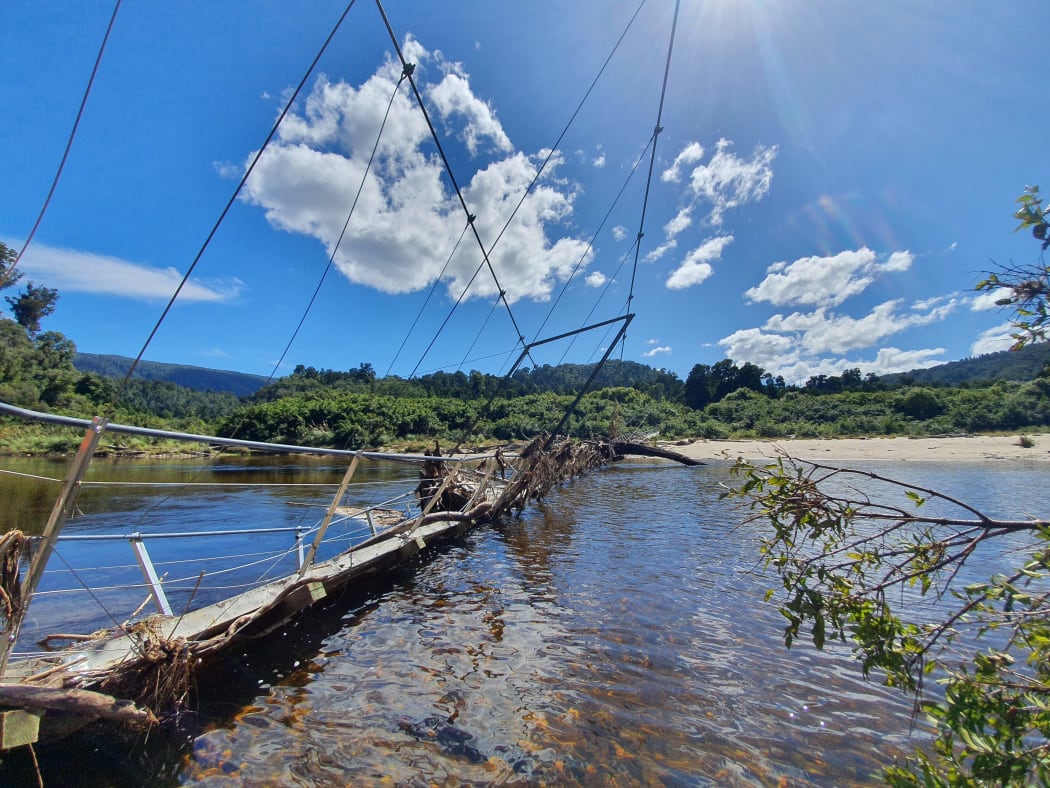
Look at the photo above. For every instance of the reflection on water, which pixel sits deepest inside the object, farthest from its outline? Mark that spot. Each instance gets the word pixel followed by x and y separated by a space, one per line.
pixel 617 632
pixel 159 497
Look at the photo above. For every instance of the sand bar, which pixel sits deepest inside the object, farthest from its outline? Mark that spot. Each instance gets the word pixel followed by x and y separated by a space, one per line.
pixel 977 448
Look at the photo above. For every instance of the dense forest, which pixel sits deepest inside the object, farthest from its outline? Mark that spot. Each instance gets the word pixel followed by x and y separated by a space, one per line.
pixel 41 370
pixel 357 409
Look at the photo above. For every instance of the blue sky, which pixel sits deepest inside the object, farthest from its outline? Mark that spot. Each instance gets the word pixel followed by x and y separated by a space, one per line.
pixel 830 182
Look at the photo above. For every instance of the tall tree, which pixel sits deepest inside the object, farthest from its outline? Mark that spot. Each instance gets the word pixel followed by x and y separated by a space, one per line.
pixel 33 305
pixel 698 387
pixel 8 275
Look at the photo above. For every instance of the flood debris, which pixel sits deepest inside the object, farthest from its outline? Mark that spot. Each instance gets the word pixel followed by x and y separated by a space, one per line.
pixel 144 672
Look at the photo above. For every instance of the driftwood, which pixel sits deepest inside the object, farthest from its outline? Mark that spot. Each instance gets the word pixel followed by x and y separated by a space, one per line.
pixel 76 701
pixel 12 545
pixel 652 451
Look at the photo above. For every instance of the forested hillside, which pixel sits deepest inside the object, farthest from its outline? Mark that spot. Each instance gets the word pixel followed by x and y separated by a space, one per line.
pixel 1023 364
pixel 355 408
pixel 199 378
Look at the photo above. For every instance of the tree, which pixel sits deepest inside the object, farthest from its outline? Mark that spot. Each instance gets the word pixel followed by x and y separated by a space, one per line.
pixel 33 305
pixel 35 371
pixel 1025 289
pixel 698 387
pixel 8 275
pixel 851 564
pixel 848 564
pixel 724 376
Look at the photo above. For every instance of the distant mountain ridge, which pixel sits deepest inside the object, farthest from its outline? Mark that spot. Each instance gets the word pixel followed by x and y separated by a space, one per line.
pixel 1018 365
pixel 197 378
pixel 1021 365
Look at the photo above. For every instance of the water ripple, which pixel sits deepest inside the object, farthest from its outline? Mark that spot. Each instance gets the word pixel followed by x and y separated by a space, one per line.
pixel 616 633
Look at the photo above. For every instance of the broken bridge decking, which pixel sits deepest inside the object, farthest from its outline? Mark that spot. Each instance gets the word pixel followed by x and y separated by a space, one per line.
pixel 143 671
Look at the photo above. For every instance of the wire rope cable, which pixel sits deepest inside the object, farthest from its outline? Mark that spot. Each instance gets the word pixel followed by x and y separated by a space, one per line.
pixel 430 294
pixel 229 204
pixel 590 245
pixel 346 224
pixel 572 119
pixel 9 275
pixel 652 159
pixel 451 174
pixel 486 254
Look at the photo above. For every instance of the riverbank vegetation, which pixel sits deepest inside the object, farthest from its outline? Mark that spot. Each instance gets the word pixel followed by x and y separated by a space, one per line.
pixel 356 409
pixel 1000 393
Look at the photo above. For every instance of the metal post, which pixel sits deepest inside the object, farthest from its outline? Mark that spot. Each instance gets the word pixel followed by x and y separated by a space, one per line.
pixel 371 524
pixel 300 547
pixel 59 512
pixel 308 562
pixel 155 588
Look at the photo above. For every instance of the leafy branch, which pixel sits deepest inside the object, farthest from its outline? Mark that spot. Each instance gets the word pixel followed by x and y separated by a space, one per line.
pixel 1025 288
pixel 841 556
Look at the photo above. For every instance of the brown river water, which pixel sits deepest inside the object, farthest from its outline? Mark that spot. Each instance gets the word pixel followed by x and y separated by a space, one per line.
pixel 616 633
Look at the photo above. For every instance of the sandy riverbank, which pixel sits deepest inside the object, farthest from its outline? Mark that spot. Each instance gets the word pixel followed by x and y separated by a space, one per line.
pixel 1005 448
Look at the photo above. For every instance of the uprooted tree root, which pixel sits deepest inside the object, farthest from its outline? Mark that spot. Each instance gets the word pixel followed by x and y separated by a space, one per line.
pixel 158 677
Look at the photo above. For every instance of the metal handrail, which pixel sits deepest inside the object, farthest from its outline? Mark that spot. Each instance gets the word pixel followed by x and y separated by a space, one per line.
pixel 70 421
pixel 177 534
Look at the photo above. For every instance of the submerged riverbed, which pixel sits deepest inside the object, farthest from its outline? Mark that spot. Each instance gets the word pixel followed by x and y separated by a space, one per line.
pixel 616 632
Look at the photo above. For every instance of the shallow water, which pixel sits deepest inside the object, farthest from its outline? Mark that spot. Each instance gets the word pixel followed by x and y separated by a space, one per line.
pixel 615 633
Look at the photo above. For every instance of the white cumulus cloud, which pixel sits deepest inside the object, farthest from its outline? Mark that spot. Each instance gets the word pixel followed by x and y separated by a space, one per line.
pixel 595 279
pixel 696 267
pixel 986 299
pixel 993 340
pixel 655 254
pixel 656 351
pixel 802 344
pixel 680 222
pixel 406 220
pixel 726 180
pixel 820 332
pixel 825 281
pixel 689 155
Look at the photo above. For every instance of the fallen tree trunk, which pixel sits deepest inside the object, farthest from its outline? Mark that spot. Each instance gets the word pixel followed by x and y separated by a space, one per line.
pixel 652 451
pixel 77 701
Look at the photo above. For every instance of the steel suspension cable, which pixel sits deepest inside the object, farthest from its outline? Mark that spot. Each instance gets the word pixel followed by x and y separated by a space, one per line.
pixel 9 274
pixel 448 317
pixel 590 244
pixel 451 174
pixel 553 149
pixel 477 336
pixel 342 234
pixel 605 291
pixel 229 204
pixel 652 159
pixel 557 143
pixel 433 289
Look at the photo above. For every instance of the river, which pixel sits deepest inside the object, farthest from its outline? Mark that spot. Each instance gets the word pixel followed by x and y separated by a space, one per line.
pixel 616 633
